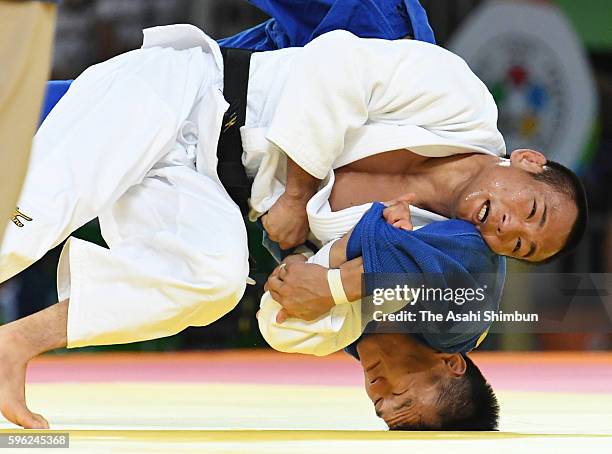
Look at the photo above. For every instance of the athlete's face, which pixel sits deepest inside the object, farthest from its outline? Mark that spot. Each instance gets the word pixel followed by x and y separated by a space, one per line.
pixel 517 215
pixel 402 379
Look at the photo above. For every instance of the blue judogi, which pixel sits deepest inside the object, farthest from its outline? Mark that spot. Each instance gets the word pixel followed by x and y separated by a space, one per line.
pixel 54 92
pixel 297 22
pixel 445 254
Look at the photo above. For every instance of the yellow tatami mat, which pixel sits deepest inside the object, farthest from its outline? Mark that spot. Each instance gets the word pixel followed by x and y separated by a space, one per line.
pixel 178 409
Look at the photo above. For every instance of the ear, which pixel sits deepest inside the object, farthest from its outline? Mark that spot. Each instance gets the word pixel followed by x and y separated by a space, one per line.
pixel 454 363
pixel 528 160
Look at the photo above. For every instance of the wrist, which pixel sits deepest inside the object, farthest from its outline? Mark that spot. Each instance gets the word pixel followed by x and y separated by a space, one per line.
pixel 350 273
pixel 300 186
pixel 337 253
pixel 336 288
pixel 298 196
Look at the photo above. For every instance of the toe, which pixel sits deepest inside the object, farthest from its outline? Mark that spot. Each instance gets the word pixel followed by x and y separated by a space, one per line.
pixel 31 420
pixel 40 421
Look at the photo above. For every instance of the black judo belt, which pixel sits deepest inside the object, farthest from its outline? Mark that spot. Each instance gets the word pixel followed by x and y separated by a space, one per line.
pixel 231 172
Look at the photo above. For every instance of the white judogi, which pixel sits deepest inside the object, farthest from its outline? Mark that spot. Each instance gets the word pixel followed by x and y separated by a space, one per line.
pixel 342 98
pixel 123 144
pixel 376 96
pixel 337 329
pixel 134 142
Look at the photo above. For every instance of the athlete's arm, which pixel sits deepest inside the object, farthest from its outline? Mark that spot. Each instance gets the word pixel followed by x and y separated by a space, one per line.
pixel 302 288
pixel 286 222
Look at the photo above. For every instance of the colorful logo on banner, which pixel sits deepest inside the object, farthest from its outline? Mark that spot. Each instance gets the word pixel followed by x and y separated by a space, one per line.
pixel 534 66
pixel 528 88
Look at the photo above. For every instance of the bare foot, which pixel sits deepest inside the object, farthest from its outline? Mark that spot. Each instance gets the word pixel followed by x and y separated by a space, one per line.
pixel 14 359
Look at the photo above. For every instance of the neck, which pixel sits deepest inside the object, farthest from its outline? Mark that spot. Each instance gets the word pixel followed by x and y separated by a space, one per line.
pixel 445 180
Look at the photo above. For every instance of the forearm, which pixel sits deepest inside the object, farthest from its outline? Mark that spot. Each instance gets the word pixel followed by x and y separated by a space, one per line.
pixel 350 273
pixel 337 254
pixel 301 185
pixel 287 222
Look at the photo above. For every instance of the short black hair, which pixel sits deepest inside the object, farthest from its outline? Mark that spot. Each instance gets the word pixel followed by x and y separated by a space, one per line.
pixel 566 182
pixel 464 403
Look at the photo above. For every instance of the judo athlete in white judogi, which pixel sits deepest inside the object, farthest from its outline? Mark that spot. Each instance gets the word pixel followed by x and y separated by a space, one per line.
pixel 134 142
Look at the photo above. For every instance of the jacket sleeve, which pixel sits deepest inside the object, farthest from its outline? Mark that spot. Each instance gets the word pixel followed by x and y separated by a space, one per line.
pixel 324 96
pixel 329 333
pixel 338 83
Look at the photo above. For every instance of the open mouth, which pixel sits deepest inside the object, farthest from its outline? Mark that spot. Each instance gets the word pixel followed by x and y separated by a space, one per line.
pixel 483 214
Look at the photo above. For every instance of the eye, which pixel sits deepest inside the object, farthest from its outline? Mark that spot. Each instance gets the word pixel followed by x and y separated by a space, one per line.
pixel 518 245
pixel 533 210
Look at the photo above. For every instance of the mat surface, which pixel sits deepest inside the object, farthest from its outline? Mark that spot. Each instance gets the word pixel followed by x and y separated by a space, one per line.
pixel 263 401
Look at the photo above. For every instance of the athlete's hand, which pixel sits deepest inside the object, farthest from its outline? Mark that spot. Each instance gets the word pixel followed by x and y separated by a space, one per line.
pixel 397 211
pixel 302 290
pixel 286 222
pixel 293 258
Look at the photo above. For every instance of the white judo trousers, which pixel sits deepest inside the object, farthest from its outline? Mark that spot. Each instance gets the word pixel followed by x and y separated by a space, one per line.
pixel 121 145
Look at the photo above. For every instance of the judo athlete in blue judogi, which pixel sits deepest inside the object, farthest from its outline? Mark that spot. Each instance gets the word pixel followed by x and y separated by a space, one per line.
pixel 408 362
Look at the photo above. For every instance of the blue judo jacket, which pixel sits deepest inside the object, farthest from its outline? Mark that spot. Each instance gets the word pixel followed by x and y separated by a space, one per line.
pixel 294 23
pixel 447 255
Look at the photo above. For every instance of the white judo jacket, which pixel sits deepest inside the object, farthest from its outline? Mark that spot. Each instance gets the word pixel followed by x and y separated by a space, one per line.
pixel 340 99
